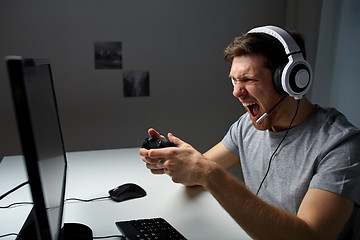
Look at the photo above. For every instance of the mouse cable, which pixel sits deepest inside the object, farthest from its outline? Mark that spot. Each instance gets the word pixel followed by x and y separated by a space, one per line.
pixel 14 189
pixel 272 156
pixel 86 200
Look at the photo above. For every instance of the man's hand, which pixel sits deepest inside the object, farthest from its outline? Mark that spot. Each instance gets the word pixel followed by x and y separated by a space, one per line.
pixel 183 163
pixel 152 164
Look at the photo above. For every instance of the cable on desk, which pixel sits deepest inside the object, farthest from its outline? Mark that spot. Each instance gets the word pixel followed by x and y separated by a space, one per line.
pixel 17 203
pixel 86 200
pixel 8 234
pixel 14 189
pixel 70 199
pixel 101 237
pixel 111 236
pixel 91 200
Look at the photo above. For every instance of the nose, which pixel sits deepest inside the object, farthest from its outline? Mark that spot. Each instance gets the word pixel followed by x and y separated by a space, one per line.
pixel 239 90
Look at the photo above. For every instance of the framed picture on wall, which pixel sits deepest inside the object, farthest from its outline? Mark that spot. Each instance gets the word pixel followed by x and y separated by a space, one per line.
pixel 136 83
pixel 108 55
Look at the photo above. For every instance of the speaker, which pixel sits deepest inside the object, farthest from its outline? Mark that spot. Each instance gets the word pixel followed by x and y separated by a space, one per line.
pixel 295 76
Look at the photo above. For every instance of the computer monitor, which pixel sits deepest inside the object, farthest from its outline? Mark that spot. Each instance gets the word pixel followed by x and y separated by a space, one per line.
pixel 42 144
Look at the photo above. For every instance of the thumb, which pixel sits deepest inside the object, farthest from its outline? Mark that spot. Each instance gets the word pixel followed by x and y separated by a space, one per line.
pixel 176 140
pixel 154 134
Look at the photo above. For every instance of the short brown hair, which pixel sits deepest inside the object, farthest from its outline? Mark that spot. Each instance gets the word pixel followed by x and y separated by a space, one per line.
pixel 262 43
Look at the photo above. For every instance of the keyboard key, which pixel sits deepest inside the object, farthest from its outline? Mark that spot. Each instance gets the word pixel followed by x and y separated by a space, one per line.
pixel 148 229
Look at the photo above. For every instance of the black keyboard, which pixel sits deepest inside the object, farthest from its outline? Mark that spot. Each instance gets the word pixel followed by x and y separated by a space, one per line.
pixel 152 228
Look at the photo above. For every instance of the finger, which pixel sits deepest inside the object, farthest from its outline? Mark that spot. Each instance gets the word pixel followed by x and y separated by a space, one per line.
pixel 153 166
pixel 157 171
pixel 176 140
pixel 154 134
pixel 147 160
pixel 161 163
pixel 144 152
pixel 152 160
pixel 161 153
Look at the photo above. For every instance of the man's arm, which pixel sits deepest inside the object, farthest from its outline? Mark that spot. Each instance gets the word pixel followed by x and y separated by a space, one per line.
pixel 322 214
pixel 222 156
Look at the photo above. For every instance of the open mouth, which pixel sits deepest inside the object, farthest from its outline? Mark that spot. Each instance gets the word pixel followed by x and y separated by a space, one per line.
pixel 253 109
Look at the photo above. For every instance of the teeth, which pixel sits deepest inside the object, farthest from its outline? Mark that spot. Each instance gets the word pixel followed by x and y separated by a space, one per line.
pixel 247 104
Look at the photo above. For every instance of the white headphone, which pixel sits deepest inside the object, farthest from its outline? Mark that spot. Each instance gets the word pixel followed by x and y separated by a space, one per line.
pixel 294 77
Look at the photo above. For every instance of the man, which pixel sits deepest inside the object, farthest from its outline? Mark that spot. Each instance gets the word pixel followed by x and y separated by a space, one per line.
pixel 300 163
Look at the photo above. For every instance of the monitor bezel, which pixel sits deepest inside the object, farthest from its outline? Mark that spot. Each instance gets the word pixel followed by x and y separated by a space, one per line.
pixel 16 68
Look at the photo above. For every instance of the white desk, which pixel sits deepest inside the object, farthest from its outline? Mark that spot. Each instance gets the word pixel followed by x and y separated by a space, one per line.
pixel 192 211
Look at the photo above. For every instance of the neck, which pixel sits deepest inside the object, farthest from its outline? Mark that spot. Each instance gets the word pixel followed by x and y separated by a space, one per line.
pixel 288 112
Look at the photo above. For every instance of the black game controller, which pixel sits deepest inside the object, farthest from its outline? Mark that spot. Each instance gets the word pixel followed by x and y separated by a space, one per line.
pixel 151 143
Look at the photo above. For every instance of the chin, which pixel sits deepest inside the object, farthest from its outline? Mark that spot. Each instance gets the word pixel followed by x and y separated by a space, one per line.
pixel 263 125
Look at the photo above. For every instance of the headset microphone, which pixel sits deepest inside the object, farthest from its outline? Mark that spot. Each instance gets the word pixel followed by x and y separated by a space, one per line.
pixel 265 114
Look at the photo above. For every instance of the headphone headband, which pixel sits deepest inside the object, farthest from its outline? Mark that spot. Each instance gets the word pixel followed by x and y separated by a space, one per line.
pixel 295 77
pixel 280 34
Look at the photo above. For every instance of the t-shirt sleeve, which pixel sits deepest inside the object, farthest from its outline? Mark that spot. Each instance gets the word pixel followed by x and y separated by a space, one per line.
pixel 339 169
pixel 231 139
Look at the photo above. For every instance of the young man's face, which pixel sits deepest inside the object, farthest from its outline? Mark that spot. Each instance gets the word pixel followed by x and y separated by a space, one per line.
pixel 253 86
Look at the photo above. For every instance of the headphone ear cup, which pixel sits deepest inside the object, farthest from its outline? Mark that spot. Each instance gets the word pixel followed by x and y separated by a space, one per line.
pixel 299 78
pixel 277 79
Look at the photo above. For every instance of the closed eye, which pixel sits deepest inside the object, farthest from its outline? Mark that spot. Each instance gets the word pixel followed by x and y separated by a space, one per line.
pixel 242 80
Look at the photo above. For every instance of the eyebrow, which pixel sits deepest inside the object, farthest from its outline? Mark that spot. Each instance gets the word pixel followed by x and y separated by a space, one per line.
pixel 244 77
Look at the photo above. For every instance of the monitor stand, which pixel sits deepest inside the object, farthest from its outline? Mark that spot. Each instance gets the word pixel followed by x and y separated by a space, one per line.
pixel 75 231
pixel 28 230
pixel 70 231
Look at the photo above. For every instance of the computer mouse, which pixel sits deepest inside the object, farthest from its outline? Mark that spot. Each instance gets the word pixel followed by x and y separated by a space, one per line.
pixel 126 192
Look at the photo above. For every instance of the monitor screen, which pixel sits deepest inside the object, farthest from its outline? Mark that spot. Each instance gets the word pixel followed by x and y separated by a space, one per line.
pixel 41 139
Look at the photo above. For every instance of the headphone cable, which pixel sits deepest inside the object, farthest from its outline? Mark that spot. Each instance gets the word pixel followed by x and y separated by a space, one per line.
pixel 272 156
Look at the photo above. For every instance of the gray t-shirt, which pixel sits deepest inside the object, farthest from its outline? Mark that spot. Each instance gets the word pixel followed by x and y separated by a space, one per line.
pixel 322 152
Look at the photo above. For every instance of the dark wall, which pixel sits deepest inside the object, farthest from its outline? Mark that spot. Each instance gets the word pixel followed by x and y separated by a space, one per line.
pixel 180 43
